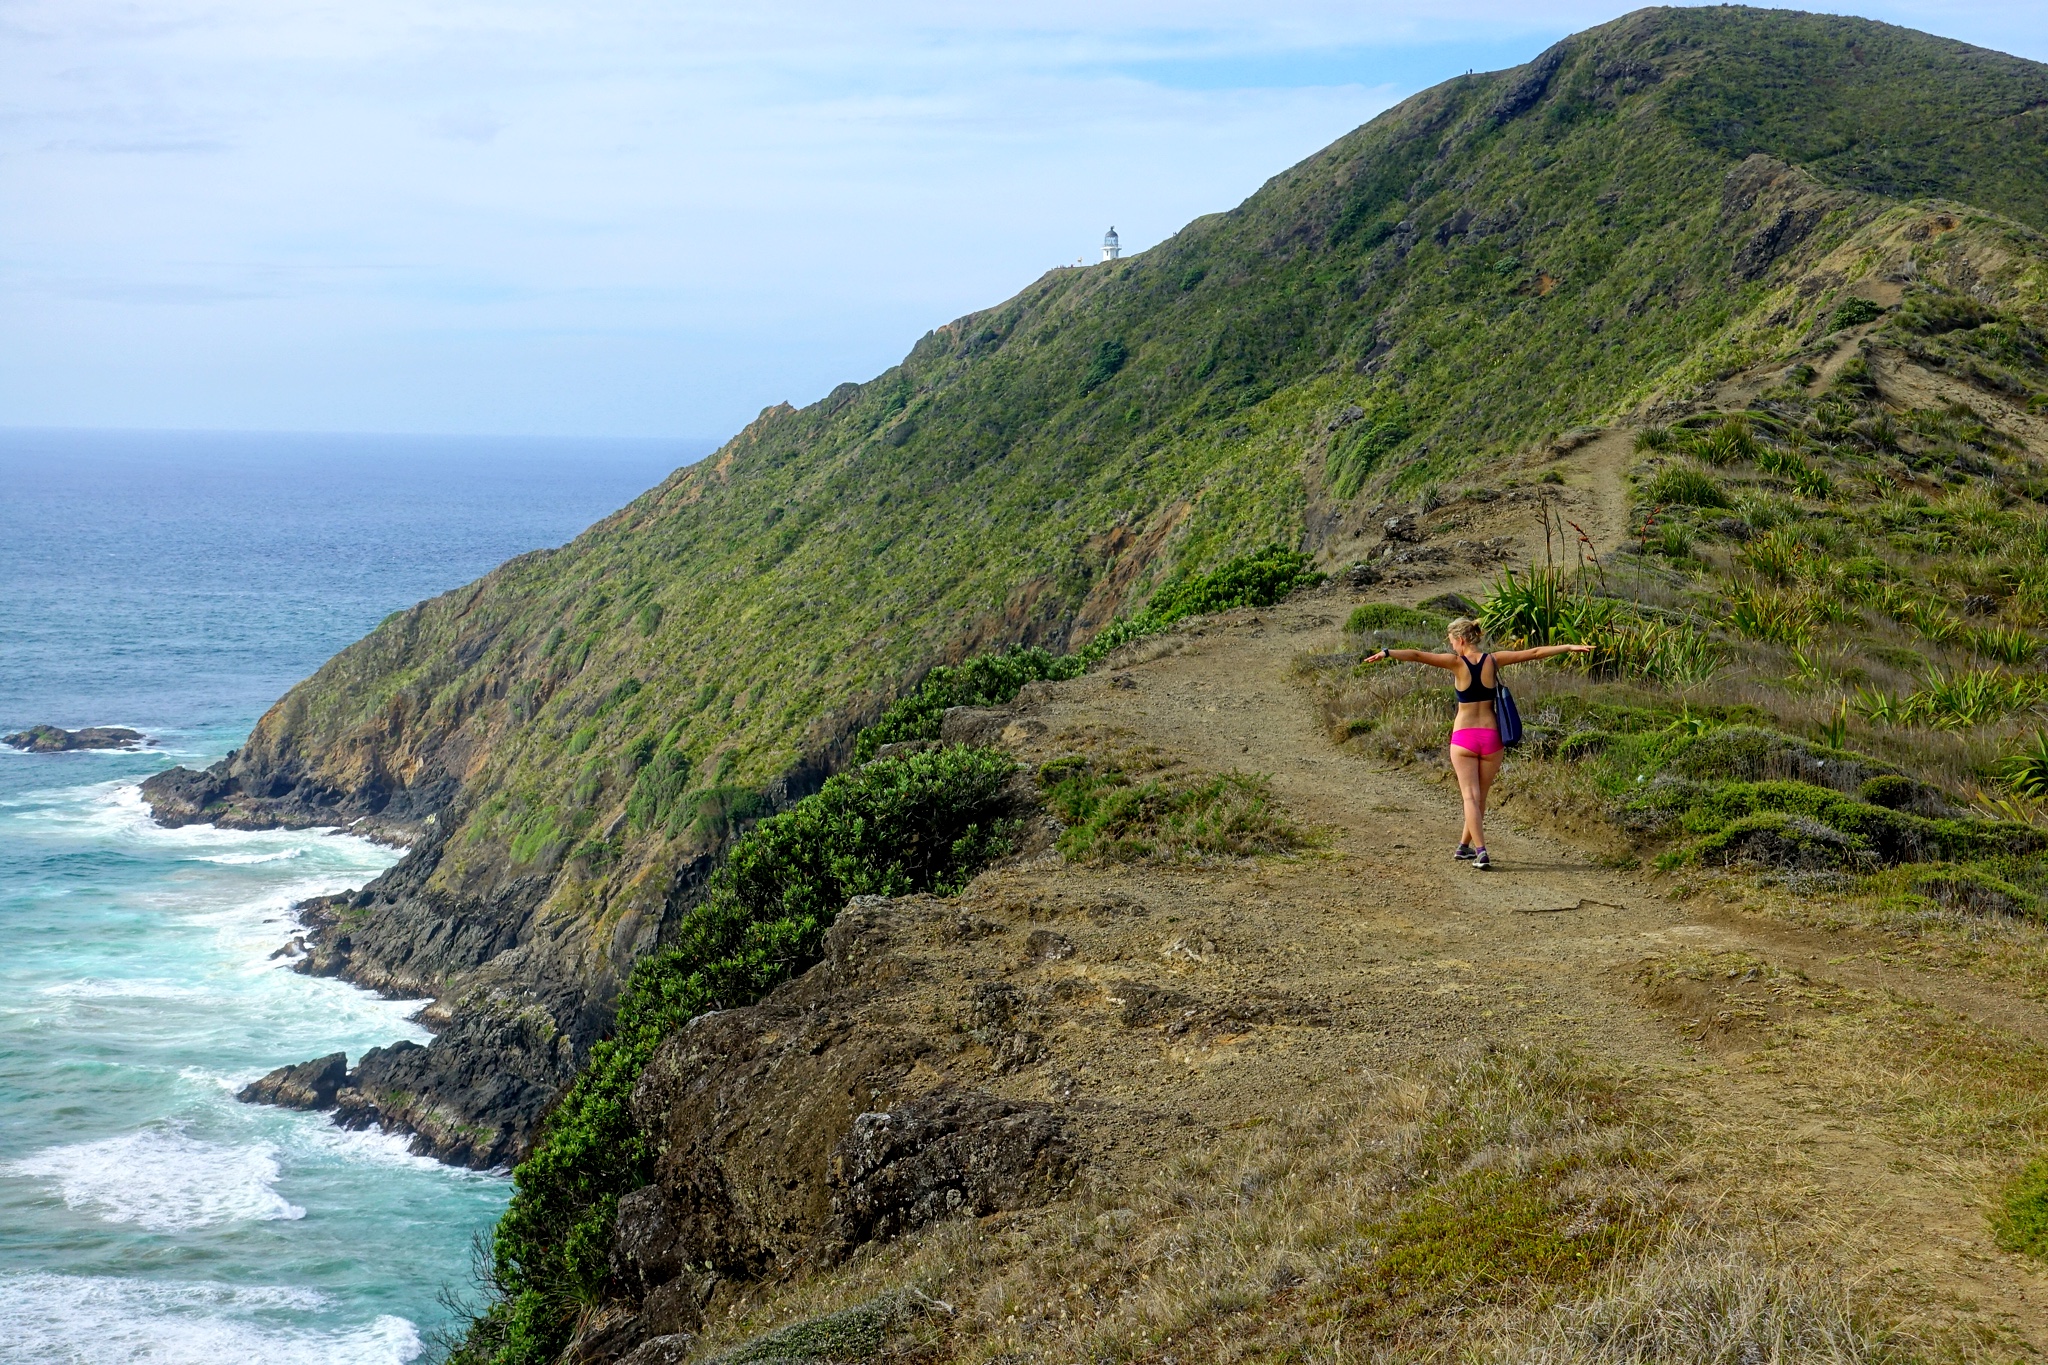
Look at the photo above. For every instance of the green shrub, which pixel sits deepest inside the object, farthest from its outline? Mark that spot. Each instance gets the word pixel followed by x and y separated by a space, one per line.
pixel 1109 357
pixel 1769 616
pixel 1684 486
pixel 925 822
pixel 1727 442
pixel 1773 557
pixel 1652 439
pixel 2005 644
pixel 1975 892
pixel 657 799
pixel 1893 791
pixel 1358 450
pixel 1254 580
pixel 1854 313
pixel 1725 814
pixel 1955 700
pixel 1258 579
pixel 1932 314
pixel 2022 1224
pixel 2026 769
pixel 1544 607
pixel 626 689
pixel 1372 616
pixel 984 680
pixel 719 812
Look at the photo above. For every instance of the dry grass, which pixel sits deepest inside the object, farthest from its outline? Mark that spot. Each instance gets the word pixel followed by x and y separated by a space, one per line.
pixel 1384 1223
pixel 1711 1303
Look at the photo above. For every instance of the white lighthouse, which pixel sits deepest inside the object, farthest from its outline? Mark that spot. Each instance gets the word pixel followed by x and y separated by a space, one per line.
pixel 1111 248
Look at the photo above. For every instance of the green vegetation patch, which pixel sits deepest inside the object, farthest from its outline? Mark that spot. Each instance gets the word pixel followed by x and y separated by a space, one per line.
pixel 1684 486
pixel 1372 617
pixel 1115 816
pixel 1258 579
pixel 924 822
pixel 2021 1225
pixel 985 680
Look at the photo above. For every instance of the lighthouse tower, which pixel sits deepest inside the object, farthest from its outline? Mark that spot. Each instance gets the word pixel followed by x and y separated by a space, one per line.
pixel 1111 248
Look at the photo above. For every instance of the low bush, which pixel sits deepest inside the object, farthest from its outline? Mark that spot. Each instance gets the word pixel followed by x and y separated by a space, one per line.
pixel 985 680
pixel 1115 816
pixel 1684 486
pixel 1733 815
pixel 925 822
pixel 1773 617
pixel 1955 700
pixel 658 787
pixel 1854 313
pixel 2025 770
pixel 1255 580
pixel 1932 314
pixel 1544 607
pixel 1974 892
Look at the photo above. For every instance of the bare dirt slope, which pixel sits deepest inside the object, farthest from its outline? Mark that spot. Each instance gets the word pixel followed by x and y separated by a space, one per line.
pixel 1748 1025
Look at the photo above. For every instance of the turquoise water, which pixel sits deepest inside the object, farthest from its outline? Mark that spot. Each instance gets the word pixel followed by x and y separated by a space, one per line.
pixel 178 585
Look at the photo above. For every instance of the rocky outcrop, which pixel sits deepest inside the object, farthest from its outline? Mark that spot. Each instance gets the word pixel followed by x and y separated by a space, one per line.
pixel 946 1153
pixel 50 739
pixel 515 999
pixel 243 792
pixel 472 1098
pixel 826 1117
pixel 309 1085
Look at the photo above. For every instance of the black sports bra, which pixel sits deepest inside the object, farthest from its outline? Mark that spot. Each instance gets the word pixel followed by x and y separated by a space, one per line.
pixel 1478 691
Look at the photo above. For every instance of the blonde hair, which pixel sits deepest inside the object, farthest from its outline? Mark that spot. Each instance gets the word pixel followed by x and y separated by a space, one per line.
pixel 1466 631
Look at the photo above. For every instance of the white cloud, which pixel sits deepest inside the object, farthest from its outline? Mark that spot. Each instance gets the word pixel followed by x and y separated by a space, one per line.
pixel 630 217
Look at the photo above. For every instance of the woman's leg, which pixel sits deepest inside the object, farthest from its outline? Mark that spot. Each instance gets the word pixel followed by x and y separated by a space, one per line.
pixel 1468 766
pixel 1485 770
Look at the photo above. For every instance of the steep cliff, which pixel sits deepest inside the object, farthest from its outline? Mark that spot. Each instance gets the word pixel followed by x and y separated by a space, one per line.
pixel 1631 216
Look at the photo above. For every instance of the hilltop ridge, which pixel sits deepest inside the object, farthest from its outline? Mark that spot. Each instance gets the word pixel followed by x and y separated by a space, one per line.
pixel 1614 228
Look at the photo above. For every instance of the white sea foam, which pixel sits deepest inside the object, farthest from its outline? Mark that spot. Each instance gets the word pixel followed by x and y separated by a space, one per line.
pixel 138 988
pixel 95 1320
pixel 371 1146
pixel 282 855
pixel 164 1180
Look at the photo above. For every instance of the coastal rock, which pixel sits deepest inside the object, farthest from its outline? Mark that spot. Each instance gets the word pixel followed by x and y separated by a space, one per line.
pixel 309 1085
pixel 50 739
pixel 805 1126
pixel 241 792
pixel 945 1153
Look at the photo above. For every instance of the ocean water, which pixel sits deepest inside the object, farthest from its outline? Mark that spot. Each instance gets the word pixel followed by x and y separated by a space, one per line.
pixel 178 584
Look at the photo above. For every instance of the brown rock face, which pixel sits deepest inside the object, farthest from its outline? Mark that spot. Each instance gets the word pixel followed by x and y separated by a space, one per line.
pixel 823 1118
pixel 309 1085
pixel 950 1152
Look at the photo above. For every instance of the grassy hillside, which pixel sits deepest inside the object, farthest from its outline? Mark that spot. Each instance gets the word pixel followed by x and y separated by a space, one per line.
pixel 1494 260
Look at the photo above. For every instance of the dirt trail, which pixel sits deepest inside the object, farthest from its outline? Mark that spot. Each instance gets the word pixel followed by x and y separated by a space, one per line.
pixel 1414 952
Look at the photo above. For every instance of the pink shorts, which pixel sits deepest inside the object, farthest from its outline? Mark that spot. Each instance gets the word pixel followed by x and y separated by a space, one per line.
pixel 1481 742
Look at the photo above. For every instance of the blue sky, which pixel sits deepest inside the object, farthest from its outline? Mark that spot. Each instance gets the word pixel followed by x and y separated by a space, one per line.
pixel 635 217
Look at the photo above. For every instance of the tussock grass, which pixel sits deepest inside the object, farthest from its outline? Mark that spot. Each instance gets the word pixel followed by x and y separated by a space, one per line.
pixel 1126 809
pixel 1712 1304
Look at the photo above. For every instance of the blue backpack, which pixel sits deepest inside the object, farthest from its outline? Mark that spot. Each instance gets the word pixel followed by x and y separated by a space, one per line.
pixel 1505 715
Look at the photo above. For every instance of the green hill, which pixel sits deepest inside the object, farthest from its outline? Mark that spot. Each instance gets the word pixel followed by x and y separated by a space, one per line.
pixel 1637 213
